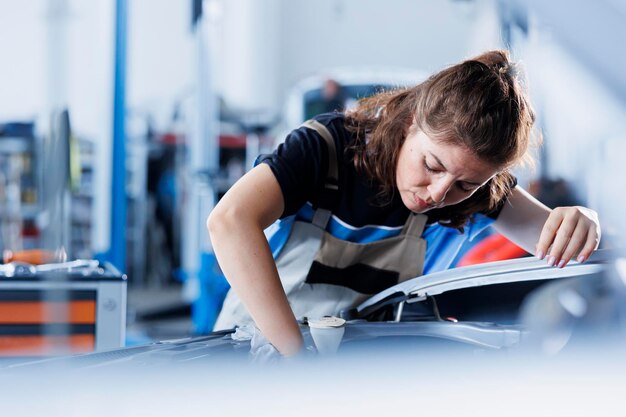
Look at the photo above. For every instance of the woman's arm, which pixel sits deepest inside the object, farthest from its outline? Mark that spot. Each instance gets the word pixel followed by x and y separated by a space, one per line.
pixel 236 227
pixel 560 234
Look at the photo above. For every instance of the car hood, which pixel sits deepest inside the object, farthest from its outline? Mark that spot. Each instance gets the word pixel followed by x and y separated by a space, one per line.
pixel 514 270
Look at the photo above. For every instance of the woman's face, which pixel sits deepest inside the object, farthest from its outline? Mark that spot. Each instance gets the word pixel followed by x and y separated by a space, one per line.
pixel 431 174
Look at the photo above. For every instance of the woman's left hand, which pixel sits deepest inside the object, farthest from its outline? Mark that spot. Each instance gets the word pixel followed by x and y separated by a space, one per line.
pixel 569 232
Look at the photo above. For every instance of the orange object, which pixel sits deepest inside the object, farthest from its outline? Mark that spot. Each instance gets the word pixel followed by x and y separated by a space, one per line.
pixel 36 312
pixel 493 248
pixel 45 345
pixel 34 256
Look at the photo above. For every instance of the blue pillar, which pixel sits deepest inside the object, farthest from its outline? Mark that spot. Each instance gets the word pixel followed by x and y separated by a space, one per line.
pixel 117 251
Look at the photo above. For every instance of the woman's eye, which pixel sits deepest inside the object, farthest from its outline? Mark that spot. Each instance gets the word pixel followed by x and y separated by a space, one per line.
pixel 428 168
pixel 464 188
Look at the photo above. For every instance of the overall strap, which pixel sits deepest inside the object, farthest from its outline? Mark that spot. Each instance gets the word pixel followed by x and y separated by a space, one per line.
pixel 414 225
pixel 330 194
pixel 321 218
pixel 332 175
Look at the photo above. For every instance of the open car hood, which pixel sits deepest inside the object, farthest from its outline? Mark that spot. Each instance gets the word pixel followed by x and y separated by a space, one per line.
pixel 514 270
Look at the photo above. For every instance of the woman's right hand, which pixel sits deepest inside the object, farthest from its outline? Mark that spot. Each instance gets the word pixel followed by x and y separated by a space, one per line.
pixel 236 227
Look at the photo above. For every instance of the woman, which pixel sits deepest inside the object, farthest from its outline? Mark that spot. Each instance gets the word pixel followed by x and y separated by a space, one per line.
pixel 382 194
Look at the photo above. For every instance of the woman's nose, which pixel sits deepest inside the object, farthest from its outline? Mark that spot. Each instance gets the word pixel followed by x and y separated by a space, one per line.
pixel 438 189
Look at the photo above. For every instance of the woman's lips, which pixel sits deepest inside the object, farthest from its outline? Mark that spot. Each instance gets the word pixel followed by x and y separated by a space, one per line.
pixel 421 204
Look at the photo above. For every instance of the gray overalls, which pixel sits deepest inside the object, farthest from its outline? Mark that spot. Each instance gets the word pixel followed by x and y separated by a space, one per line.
pixel 310 249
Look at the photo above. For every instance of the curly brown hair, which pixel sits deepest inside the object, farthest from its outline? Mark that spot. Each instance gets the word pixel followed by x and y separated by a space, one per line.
pixel 479 104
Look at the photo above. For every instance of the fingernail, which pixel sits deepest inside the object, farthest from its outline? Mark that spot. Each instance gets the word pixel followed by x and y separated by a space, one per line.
pixel 581 259
pixel 551 260
pixel 561 263
pixel 540 255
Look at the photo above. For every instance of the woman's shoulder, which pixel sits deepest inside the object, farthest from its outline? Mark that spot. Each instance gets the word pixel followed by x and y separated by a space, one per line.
pixel 335 122
pixel 331 118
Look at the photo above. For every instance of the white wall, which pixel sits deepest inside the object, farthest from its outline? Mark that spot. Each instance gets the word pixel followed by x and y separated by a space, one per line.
pixel 584 125
pixel 248 64
pixel 22 47
pixel 267 46
pixel 416 34
pixel 578 112
pixel 264 47
pixel 29 82
pixel 160 57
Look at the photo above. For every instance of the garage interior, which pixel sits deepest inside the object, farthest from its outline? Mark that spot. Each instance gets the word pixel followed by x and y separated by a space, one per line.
pixel 123 123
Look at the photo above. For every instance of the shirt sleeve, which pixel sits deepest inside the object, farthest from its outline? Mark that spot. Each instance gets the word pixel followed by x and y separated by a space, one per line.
pixel 298 164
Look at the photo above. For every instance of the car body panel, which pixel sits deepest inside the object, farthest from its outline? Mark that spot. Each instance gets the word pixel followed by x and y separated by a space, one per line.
pixel 514 270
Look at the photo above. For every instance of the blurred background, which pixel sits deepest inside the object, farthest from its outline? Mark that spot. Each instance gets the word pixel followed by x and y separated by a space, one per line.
pixel 122 122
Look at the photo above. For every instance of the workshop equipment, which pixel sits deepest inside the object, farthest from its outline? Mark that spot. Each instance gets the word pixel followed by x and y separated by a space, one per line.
pixel 61 308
